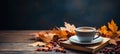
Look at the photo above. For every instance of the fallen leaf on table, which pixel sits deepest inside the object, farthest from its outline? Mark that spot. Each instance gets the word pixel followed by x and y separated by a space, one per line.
pixel 62 32
pixel 45 36
pixel 112 41
pixel 71 28
pixel 65 32
pixel 37 44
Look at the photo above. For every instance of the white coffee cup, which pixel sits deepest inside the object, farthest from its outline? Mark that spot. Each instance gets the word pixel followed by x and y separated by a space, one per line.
pixel 86 34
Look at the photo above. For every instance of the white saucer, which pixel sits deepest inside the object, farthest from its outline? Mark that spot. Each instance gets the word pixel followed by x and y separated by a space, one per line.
pixel 75 39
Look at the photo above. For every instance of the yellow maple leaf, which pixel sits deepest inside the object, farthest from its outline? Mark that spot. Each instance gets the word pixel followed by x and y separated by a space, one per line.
pixel 112 26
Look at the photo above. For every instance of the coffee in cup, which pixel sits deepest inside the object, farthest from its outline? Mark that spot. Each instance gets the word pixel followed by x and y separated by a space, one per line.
pixel 86 34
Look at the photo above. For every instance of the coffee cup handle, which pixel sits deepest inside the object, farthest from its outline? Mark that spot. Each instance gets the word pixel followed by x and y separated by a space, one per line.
pixel 98 35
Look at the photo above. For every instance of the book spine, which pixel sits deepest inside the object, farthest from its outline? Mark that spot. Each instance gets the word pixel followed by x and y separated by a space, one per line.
pixel 77 48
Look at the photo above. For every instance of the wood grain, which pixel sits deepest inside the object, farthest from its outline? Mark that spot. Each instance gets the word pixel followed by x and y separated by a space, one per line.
pixel 16 42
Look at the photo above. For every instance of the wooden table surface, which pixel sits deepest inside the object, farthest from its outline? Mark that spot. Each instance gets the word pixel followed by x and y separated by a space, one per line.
pixel 16 42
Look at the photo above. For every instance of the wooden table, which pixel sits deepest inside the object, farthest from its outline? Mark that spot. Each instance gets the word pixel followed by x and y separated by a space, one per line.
pixel 16 42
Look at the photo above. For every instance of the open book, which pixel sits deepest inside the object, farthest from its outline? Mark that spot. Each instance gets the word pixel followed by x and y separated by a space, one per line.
pixel 87 48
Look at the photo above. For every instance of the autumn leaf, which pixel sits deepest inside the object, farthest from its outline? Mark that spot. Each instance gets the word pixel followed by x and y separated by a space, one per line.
pixel 112 26
pixel 112 41
pixel 37 44
pixel 69 27
pixel 63 34
pixel 111 31
pixel 109 34
pixel 103 30
pixel 118 32
pixel 46 37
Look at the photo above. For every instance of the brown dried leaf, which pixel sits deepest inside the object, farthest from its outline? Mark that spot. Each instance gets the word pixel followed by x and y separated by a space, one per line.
pixel 112 41
pixel 46 37
pixel 70 28
pixel 37 44
pixel 117 39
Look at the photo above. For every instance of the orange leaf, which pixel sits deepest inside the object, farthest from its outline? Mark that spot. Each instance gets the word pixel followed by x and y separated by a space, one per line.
pixel 109 34
pixel 46 37
pixel 103 30
pixel 112 26
pixel 63 33
pixel 118 32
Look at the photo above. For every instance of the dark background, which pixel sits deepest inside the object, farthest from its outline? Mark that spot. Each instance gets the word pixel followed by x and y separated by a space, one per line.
pixel 45 14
